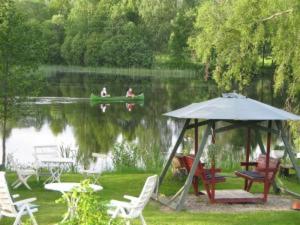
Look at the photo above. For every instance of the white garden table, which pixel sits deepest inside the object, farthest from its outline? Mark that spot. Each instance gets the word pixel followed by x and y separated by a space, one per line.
pixel 56 166
pixel 72 202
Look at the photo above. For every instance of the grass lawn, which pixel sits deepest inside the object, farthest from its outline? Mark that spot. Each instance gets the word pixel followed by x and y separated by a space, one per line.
pixel 116 185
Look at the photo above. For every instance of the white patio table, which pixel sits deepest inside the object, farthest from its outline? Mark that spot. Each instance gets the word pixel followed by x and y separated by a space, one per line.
pixel 56 166
pixel 65 187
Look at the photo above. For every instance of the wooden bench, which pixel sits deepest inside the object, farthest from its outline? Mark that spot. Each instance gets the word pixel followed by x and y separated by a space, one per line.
pixel 258 174
pixel 208 176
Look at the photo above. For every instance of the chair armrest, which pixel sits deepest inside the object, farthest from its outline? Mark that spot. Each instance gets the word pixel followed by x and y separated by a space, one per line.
pixel 116 203
pixel 131 198
pixel 248 163
pixel 15 196
pixel 25 201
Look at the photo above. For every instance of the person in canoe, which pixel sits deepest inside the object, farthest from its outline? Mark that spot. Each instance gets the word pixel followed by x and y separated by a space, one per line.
pixel 103 93
pixel 129 93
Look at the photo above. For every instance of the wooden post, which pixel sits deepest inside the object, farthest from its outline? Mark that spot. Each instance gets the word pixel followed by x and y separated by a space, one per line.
pixel 213 164
pixel 189 179
pixel 196 137
pixel 213 133
pixel 263 151
pixel 288 148
pixel 267 183
pixel 248 149
pixel 167 165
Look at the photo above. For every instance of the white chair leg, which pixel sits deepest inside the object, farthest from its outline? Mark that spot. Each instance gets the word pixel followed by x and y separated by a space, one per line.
pixel 15 182
pixel 31 215
pixel 18 218
pixel 22 181
pixel 127 222
pixel 142 219
pixel 25 183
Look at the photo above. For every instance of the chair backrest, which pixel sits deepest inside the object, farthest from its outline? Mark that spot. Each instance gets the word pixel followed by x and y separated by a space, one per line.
pixel 45 151
pixel 144 197
pixel 273 164
pixel 188 163
pixel 14 165
pixel 7 207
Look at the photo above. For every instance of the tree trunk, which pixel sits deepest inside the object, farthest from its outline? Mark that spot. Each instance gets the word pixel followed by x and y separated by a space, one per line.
pixel 4 123
pixel 2 167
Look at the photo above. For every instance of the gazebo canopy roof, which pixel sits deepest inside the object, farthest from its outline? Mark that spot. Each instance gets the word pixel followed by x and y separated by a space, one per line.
pixel 232 106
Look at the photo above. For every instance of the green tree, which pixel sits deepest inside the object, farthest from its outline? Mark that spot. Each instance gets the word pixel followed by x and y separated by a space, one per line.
pixel 157 16
pixel 235 37
pixel 182 28
pixel 53 34
pixel 127 48
pixel 20 52
pixel 243 40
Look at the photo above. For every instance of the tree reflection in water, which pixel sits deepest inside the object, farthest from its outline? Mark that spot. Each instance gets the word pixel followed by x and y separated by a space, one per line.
pixel 97 128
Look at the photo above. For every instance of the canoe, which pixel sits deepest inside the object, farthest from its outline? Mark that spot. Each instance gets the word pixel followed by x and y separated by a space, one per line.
pixel 111 99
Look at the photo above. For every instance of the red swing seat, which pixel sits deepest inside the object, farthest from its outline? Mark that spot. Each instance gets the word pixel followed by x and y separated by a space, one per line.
pixel 259 171
pixel 208 176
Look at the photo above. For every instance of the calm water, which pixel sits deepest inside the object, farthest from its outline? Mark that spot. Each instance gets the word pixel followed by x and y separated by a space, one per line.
pixel 64 116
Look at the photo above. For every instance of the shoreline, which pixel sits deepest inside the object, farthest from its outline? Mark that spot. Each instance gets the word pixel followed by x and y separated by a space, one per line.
pixel 133 72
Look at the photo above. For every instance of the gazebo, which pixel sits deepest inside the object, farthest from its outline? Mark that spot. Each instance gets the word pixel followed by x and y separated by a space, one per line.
pixel 236 111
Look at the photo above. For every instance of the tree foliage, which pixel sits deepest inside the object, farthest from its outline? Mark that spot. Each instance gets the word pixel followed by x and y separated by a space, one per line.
pixel 236 37
pixel 95 32
pixel 21 49
pixel 110 35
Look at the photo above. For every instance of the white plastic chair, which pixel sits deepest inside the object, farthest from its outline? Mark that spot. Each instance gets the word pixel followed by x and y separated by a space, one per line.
pixel 22 174
pixel 12 209
pixel 42 152
pixel 134 208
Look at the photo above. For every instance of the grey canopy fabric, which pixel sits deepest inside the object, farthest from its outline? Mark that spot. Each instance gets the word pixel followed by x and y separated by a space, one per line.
pixel 232 106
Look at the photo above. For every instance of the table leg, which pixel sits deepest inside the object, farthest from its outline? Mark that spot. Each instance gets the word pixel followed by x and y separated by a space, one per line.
pixel 72 206
pixel 54 175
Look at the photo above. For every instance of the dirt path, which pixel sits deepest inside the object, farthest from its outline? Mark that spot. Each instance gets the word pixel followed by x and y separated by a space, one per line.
pixel 200 204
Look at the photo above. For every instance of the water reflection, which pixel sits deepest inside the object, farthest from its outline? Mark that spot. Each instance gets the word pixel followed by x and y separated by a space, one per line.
pixel 68 118
pixel 104 107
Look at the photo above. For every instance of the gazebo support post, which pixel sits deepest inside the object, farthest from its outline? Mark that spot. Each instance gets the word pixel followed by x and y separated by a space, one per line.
pixel 263 151
pixel 248 146
pixel 189 179
pixel 196 137
pixel 288 148
pixel 212 171
pixel 178 142
pixel 266 182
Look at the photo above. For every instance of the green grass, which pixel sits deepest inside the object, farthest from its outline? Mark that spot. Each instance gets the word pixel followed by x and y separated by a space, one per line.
pixel 49 70
pixel 117 184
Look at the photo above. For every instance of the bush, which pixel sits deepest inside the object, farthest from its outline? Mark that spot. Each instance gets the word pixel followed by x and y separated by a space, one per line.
pixel 93 55
pixel 89 211
pixel 125 156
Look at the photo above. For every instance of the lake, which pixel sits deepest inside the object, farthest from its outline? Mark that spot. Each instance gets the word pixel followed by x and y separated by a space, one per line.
pixel 63 115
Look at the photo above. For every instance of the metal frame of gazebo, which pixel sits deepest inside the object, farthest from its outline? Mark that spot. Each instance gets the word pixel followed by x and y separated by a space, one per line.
pixel 212 129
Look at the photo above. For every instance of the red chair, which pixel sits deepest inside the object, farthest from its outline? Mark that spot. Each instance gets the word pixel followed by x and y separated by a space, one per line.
pixel 208 176
pixel 258 174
